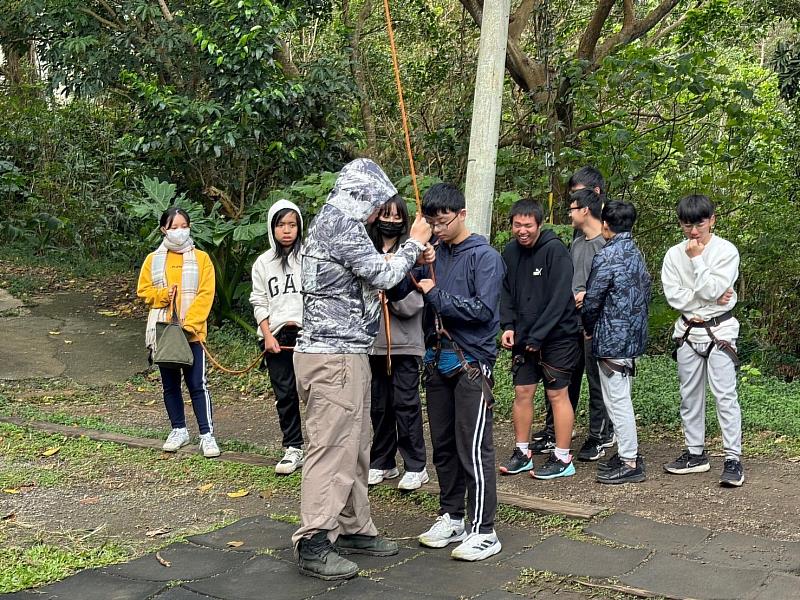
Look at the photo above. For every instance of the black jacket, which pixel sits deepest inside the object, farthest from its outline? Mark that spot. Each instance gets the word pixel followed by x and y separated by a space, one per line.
pixel 536 301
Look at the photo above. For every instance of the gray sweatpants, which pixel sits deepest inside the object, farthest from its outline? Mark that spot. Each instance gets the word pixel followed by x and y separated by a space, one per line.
pixel 333 497
pixel 619 406
pixel 720 372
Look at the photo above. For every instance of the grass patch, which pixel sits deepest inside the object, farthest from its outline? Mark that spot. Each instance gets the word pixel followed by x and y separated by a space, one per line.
pixel 42 563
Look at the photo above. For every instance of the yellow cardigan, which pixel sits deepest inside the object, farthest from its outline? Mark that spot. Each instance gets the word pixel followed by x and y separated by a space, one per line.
pixel 197 315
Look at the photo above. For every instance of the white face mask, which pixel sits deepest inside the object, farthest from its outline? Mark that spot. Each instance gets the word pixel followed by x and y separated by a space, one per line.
pixel 178 237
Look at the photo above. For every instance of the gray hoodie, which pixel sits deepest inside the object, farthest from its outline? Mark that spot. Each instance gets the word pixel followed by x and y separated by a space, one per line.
pixel 342 270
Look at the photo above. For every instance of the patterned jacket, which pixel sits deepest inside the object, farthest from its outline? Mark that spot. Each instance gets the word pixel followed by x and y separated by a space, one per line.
pixel 341 269
pixel 617 298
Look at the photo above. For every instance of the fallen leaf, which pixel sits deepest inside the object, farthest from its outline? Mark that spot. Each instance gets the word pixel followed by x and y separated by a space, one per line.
pixel 150 403
pixel 141 390
pixel 108 313
pixel 51 451
pixel 67 341
pixel 89 500
pixel 164 563
pixel 205 487
pixel 238 494
pixel 54 332
pixel 795 459
pixel 11 490
pixel 157 532
pixel 265 494
pixel 234 544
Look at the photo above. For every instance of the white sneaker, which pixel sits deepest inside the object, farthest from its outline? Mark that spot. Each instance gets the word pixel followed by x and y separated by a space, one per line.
pixel 291 461
pixel 444 531
pixel 378 475
pixel 208 446
pixel 477 546
pixel 175 440
pixel 413 480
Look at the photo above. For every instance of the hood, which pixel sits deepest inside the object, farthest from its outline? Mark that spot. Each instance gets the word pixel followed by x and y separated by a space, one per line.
pixel 280 205
pixel 546 236
pixel 360 188
pixel 473 241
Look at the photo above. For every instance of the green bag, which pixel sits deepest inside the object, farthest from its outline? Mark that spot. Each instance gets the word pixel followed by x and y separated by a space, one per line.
pixel 172 345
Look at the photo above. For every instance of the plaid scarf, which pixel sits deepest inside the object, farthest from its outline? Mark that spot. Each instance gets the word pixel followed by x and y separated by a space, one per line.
pixel 190 279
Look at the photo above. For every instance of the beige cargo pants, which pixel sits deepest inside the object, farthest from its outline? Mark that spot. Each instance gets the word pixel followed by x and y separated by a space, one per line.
pixel 336 391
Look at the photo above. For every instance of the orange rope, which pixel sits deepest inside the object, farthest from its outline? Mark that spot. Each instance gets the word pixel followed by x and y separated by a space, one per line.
pixel 250 367
pixel 402 104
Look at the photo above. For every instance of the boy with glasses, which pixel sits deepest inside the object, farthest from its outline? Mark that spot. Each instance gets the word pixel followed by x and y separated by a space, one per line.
pixel 698 275
pixel 460 323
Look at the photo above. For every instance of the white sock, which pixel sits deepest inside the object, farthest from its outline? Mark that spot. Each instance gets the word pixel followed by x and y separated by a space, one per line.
pixel 562 454
pixel 523 446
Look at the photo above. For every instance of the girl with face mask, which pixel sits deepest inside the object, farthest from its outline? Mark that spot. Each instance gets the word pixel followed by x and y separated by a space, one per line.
pixel 396 411
pixel 278 309
pixel 178 276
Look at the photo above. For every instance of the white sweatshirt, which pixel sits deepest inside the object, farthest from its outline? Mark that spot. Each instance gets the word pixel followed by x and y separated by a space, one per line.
pixel 692 287
pixel 276 293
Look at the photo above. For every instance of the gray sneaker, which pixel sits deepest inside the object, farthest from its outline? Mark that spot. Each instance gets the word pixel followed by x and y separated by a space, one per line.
pixel 317 557
pixel 366 544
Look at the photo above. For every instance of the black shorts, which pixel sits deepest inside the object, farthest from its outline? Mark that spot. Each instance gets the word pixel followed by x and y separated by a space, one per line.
pixel 553 364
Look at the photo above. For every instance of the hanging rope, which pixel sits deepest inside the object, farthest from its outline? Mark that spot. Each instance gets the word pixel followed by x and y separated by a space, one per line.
pixel 399 85
pixel 248 368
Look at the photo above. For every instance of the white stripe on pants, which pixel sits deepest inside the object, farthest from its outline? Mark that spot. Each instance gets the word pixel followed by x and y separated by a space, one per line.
pixel 619 406
pixel 720 372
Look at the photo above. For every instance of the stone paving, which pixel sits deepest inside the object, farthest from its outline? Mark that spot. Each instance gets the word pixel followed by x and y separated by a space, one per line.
pixel 622 551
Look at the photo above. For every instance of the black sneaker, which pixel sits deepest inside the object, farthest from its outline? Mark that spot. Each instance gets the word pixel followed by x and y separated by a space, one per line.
pixel 543 446
pixel 732 473
pixel 317 557
pixel 366 544
pixel 541 434
pixel 554 468
pixel 623 473
pixel 592 449
pixel 518 463
pixel 615 462
pixel 688 463
pixel 608 441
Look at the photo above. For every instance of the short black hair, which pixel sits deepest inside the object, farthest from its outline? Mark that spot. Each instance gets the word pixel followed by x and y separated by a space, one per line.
pixel 526 207
pixel 694 208
pixel 588 177
pixel 620 216
pixel 168 216
pixel 588 198
pixel 442 198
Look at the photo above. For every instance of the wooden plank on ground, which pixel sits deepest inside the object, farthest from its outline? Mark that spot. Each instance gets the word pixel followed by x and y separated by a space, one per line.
pixel 532 503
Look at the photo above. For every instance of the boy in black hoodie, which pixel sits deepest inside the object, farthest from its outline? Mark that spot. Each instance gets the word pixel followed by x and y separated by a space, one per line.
pixel 461 322
pixel 539 323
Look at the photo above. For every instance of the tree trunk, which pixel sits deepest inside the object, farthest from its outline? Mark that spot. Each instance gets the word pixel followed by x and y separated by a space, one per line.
pixel 359 76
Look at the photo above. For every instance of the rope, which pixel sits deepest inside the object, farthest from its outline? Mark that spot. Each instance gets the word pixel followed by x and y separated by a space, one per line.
pixel 247 369
pixel 388 327
pixel 399 85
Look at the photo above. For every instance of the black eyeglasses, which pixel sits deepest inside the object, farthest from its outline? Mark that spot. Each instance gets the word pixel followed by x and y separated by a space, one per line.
pixel 571 208
pixel 436 226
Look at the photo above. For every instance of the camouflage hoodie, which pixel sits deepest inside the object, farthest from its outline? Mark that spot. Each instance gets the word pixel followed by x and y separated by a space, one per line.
pixel 342 270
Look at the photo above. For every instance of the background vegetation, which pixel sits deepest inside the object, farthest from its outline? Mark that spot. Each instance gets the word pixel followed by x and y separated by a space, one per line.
pixel 111 109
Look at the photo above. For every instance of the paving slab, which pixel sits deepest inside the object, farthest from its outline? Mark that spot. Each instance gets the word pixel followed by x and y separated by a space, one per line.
pixel 366 562
pixel 259 578
pixel 779 587
pixel 94 584
pixel 26 351
pixel 362 588
pixel 187 563
pixel 636 531
pixel 8 302
pixel 558 554
pixel 179 593
pixel 435 571
pixel 257 533
pixel 670 575
pixel 736 549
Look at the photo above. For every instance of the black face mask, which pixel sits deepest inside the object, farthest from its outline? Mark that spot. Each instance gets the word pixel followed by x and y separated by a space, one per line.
pixel 390 229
